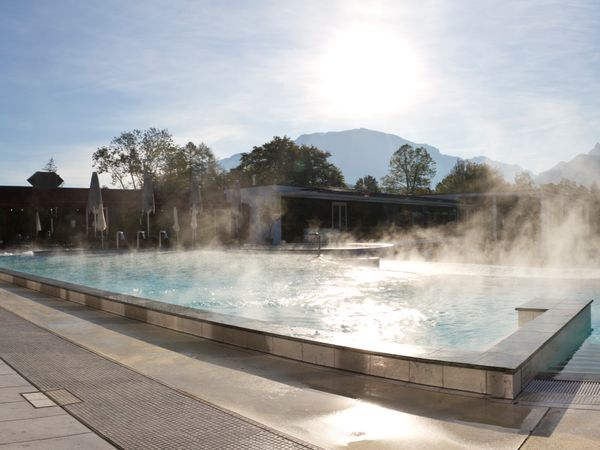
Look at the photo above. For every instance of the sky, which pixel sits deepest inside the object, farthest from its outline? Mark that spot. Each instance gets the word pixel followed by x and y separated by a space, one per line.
pixel 517 81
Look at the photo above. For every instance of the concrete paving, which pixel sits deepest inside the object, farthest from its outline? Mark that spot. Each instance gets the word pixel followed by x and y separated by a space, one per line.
pixel 38 423
pixel 328 408
pixel 126 408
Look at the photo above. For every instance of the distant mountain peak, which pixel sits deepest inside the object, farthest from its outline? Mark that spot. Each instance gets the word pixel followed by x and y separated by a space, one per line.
pixel 596 150
pixel 584 169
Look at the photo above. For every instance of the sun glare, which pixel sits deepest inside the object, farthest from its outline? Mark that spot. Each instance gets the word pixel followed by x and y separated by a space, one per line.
pixel 368 71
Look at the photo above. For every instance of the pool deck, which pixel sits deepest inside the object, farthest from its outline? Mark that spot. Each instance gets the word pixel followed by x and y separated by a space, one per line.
pixel 140 383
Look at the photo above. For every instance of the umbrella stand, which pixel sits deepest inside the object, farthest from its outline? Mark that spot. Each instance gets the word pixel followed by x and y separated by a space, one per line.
pixel 175 226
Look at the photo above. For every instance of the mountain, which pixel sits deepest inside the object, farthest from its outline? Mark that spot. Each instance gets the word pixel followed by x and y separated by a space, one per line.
pixel 361 152
pixel 230 162
pixel 583 169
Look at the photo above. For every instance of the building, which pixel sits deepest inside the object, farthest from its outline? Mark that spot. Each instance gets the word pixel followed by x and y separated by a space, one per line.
pixel 56 214
pixel 272 214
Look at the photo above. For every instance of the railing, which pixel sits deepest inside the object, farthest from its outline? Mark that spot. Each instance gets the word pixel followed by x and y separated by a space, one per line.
pixel 120 237
pixel 140 233
pixel 316 233
pixel 161 234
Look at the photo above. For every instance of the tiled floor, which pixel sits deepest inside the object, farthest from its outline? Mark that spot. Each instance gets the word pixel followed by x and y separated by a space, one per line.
pixel 28 419
pixel 125 407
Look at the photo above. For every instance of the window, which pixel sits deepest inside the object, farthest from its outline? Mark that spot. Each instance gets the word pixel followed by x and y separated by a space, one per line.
pixel 339 216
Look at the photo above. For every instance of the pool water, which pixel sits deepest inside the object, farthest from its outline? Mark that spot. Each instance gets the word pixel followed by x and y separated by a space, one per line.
pixel 420 303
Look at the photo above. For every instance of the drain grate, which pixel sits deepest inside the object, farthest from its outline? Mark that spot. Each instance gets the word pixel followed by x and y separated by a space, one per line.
pixel 62 397
pixel 562 392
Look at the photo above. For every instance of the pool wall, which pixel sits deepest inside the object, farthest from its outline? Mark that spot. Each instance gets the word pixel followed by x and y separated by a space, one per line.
pixel 548 329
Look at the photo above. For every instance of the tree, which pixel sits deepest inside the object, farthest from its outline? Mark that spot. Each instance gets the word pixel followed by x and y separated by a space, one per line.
pixel 566 188
pixel 133 154
pixel 282 161
pixel 51 166
pixel 467 176
pixel 524 181
pixel 411 171
pixel 182 163
pixel 367 184
pixel 154 146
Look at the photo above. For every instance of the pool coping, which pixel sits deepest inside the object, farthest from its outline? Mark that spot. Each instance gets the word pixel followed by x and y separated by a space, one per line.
pixel 548 330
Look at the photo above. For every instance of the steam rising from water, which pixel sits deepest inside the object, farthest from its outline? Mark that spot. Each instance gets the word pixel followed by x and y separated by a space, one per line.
pixel 530 230
pixel 424 303
pixel 455 285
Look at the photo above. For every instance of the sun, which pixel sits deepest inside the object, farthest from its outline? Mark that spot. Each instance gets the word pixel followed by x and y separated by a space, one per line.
pixel 368 71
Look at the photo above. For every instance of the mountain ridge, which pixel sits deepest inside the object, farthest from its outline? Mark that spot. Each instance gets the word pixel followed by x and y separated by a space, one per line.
pixel 359 152
pixel 584 169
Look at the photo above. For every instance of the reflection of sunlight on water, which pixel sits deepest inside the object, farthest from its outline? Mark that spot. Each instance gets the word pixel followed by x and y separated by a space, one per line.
pixel 383 322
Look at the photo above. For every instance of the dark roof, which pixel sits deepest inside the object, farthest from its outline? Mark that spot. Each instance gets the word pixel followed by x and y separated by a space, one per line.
pixel 368 197
pixel 45 180
pixel 353 195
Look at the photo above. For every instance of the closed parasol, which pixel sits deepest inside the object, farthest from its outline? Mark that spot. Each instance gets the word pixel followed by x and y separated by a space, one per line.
pixel 148 200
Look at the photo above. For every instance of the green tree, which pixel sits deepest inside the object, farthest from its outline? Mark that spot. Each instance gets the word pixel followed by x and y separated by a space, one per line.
pixel 411 171
pixel 467 176
pixel 367 184
pixel 133 154
pixel 182 163
pixel 282 161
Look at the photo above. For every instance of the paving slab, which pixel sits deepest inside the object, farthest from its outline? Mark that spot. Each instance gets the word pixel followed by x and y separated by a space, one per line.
pixel 13 394
pixel 571 429
pixel 38 400
pixel 58 425
pixel 86 441
pixel 24 410
pixel 12 380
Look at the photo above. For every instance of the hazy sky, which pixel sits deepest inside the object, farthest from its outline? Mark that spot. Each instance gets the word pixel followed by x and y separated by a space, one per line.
pixel 518 81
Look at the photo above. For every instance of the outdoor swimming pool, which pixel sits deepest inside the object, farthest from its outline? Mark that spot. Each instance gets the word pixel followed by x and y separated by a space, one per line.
pixel 421 303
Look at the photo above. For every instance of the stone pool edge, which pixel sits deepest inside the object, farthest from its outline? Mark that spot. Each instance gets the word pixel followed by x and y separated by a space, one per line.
pixel 548 329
